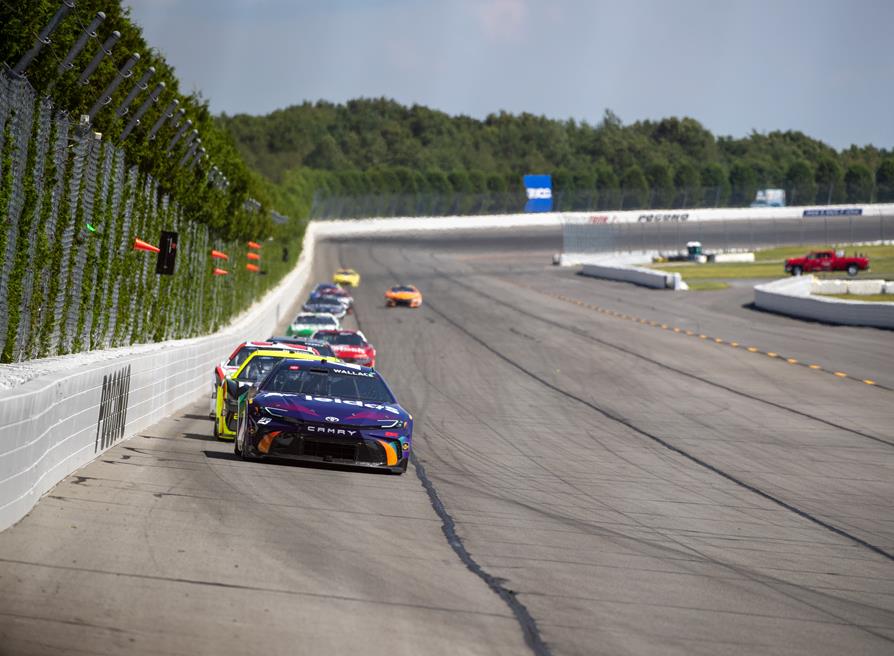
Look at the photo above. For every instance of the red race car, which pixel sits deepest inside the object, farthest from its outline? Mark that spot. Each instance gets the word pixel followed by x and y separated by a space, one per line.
pixel 349 346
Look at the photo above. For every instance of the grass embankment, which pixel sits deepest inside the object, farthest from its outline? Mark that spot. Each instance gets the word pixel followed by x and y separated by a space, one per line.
pixel 706 285
pixel 866 298
pixel 770 264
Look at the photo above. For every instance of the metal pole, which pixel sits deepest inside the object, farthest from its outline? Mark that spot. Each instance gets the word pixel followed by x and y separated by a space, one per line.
pixel 168 113
pixel 43 38
pixel 106 96
pixel 105 49
pixel 135 120
pixel 89 33
pixel 199 154
pixel 183 128
pixel 189 153
pixel 142 85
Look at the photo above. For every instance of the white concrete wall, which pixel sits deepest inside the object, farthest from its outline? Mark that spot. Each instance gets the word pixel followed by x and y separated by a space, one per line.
pixel 721 214
pixel 634 274
pixel 792 296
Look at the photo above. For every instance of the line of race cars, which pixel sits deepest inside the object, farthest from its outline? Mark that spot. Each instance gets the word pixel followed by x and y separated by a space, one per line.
pixel 313 394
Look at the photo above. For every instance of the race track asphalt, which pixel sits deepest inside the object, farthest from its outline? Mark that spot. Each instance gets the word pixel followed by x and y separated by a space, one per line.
pixel 587 481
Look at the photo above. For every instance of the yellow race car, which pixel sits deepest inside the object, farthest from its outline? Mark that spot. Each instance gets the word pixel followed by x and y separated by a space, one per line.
pixel 403 295
pixel 253 369
pixel 346 277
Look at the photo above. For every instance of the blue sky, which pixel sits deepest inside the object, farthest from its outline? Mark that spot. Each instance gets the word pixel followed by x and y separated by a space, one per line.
pixel 823 67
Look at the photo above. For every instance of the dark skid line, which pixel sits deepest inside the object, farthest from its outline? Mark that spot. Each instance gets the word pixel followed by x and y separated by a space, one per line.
pixel 526 621
pixel 528 625
pixel 666 444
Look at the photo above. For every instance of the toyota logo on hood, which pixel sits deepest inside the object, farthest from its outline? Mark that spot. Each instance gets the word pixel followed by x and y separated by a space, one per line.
pixel 332 420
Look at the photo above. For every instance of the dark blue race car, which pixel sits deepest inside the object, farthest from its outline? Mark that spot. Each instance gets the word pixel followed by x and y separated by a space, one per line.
pixel 324 412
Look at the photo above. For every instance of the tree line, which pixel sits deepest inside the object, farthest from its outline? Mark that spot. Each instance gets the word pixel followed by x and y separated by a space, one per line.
pixel 224 210
pixel 379 146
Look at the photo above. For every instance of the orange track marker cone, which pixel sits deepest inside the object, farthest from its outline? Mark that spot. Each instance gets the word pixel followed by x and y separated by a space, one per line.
pixel 253 256
pixel 220 272
pixel 253 267
pixel 140 245
pixel 219 256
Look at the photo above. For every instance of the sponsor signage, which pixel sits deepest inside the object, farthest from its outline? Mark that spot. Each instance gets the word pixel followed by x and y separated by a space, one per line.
pixel 657 217
pixel 539 189
pixel 835 211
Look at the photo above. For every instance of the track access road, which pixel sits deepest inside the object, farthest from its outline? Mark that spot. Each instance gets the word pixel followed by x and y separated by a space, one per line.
pixel 589 483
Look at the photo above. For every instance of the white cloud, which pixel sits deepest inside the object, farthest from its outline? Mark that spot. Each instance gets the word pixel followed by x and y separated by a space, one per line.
pixel 504 20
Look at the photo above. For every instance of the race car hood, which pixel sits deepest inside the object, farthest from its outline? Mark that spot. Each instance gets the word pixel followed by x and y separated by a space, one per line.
pixel 332 308
pixel 348 412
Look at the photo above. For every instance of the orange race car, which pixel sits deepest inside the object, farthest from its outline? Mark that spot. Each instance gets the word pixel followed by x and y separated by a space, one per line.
pixel 403 295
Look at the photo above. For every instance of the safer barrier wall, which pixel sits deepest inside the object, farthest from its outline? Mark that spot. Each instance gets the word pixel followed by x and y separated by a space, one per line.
pixel 58 414
pixel 792 296
pixel 637 275
pixel 725 229
pixel 75 407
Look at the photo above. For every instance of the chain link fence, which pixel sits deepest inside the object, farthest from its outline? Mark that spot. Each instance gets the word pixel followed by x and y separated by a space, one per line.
pixel 71 208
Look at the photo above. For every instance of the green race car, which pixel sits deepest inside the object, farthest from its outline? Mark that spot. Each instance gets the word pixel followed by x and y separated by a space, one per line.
pixel 307 323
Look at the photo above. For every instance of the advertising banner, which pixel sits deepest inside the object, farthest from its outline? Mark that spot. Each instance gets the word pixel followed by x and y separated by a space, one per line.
pixel 539 189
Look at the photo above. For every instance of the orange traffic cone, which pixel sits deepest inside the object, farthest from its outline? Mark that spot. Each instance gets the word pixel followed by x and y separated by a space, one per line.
pixel 253 244
pixel 253 267
pixel 140 245
pixel 220 272
pixel 253 256
pixel 220 256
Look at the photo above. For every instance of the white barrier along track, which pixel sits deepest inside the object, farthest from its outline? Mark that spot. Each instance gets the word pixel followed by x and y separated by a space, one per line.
pixel 793 296
pixel 58 414
pixel 634 274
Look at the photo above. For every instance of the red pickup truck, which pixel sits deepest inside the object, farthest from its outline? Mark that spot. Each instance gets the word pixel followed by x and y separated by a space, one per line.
pixel 819 261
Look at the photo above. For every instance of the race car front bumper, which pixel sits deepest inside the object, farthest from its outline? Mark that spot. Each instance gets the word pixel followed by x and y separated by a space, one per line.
pixel 362 451
pixel 406 302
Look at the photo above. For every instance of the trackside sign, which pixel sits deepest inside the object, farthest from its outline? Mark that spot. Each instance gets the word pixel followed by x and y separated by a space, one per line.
pixel 539 189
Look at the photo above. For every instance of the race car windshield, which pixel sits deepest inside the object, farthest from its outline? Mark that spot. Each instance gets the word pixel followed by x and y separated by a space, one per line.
pixel 352 385
pixel 314 320
pixel 259 367
pixel 343 339
pixel 402 288
pixel 321 347
pixel 240 357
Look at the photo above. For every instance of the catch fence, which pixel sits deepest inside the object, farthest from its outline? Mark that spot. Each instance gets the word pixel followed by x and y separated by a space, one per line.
pixel 72 207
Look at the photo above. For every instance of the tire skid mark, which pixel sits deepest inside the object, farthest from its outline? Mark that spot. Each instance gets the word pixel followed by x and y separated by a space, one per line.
pixel 658 363
pixel 779 586
pixel 664 443
pixel 526 621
